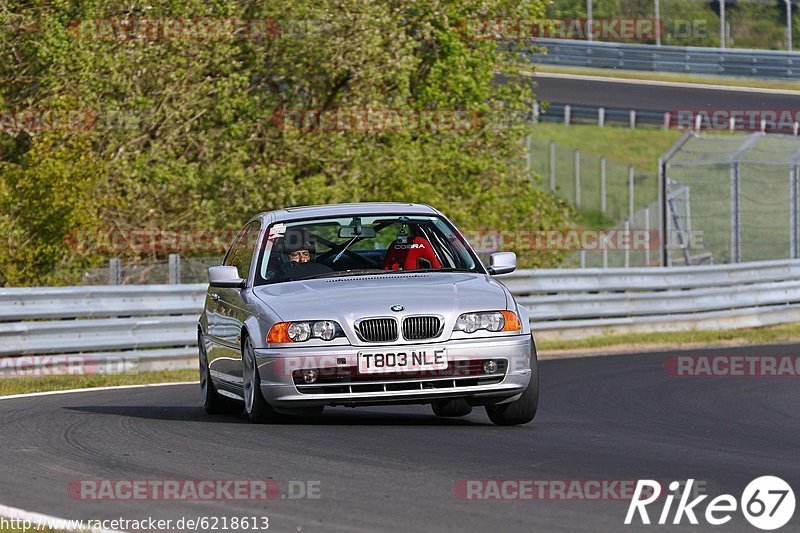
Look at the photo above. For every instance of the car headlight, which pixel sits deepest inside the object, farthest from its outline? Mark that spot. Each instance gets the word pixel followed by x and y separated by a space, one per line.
pixel 286 332
pixel 490 321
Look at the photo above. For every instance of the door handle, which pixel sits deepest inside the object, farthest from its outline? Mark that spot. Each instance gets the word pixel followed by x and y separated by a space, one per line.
pixel 215 296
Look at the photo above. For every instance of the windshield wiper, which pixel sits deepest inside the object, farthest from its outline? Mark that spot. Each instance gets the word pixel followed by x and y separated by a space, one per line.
pixel 356 272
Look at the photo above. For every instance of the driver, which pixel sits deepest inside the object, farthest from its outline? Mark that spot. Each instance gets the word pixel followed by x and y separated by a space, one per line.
pixel 301 254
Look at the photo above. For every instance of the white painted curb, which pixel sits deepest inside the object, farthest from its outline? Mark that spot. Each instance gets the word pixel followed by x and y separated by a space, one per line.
pixel 91 389
pixel 683 85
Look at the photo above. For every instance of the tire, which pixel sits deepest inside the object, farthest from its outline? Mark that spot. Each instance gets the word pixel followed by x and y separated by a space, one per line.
pixel 213 402
pixel 451 408
pixel 522 410
pixel 255 406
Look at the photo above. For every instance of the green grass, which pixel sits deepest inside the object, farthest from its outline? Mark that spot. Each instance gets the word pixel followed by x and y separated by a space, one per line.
pixel 24 385
pixel 640 147
pixel 662 340
pixel 729 81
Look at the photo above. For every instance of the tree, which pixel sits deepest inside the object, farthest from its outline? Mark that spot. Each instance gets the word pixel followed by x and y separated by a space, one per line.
pixel 191 131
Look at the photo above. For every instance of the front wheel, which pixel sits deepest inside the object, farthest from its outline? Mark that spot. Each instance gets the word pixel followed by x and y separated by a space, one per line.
pixel 256 407
pixel 523 409
pixel 213 402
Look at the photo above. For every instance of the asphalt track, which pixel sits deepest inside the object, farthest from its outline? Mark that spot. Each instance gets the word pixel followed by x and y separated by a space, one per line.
pixel 616 94
pixel 394 468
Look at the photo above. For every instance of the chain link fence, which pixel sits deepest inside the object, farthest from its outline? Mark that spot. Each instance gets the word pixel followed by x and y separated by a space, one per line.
pixel 740 196
pixel 175 270
pixel 615 191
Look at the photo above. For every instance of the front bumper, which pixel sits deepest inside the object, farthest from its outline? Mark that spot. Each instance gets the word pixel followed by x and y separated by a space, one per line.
pixel 277 366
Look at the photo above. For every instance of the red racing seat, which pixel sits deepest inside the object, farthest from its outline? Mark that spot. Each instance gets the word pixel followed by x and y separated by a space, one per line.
pixel 416 253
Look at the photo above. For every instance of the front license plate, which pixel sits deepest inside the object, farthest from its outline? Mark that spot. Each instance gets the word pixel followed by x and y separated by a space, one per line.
pixel 401 360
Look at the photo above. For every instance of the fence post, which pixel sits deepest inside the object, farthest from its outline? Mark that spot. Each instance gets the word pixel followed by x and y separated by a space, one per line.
pixel 647 235
pixel 630 192
pixel 663 222
pixel 582 255
pixel 603 185
pixel 174 269
pixel 601 116
pixel 529 157
pixel 114 272
pixel 793 223
pixel 735 250
pixel 567 114
pixel 552 165
pixel 577 178
pixel 628 248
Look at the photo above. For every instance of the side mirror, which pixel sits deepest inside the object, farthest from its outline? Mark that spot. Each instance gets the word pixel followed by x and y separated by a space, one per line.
pixel 225 277
pixel 502 263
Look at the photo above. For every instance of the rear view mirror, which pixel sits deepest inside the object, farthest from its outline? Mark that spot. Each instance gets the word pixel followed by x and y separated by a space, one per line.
pixel 349 232
pixel 502 263
pixel 225 277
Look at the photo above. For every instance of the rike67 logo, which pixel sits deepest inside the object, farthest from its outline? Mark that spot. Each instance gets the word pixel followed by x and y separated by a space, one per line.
pixel 767 503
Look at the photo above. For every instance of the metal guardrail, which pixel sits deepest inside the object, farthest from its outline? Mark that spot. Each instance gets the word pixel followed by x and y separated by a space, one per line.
pixel 98 329
pixel 148 327
pixel 767 64
pixel 602 116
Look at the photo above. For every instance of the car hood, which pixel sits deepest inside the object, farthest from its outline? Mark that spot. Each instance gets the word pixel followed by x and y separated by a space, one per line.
pixel 346 299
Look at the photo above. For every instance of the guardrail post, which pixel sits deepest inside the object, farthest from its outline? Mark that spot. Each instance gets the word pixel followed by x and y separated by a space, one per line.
pixel 552 165
pixel 114 272
pixel 630 192
pixel 601 116
pixel 536 112
pixel 603 185
pixel 174 269
pixel 582 255
pixel 567 114
pixel 632 118
pixel 577 178
pixel 667 120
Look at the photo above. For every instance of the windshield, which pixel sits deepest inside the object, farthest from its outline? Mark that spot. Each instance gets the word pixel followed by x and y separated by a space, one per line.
pixel 362 245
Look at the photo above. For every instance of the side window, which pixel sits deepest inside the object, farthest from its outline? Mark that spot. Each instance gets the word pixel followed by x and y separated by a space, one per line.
pixel 240 254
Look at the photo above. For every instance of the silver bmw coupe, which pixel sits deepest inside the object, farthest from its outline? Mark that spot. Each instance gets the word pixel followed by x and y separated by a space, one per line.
pixel 363 304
